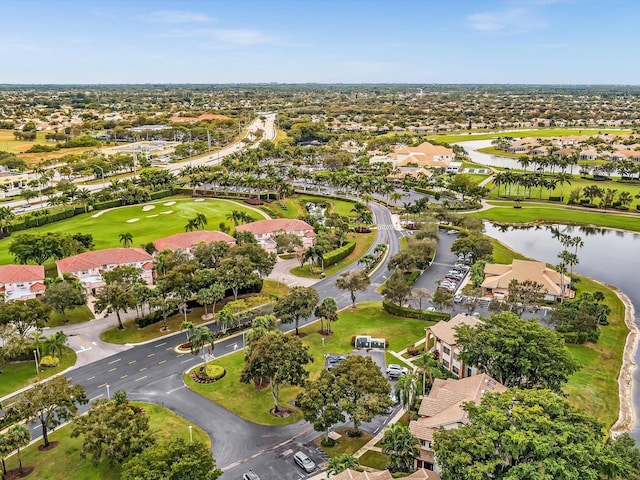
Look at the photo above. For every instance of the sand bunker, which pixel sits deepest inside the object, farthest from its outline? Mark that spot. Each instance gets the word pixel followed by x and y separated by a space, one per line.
pixel 199 200
pixel 167 212
pixel 152 216
pixel 96 215
pixel 146 208
pixel 131 220
pixel 168 204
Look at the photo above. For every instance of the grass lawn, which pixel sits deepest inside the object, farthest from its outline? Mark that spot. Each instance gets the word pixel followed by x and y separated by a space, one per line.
pixel 17 375
pixel 476 178
pixel 295 206
pixel 530 132
pixel 65 461
pixel 75 315
pixel 133 334
pixel 376 460
pixel 500 153
pixel 363 242
pixel 567 215
pixel 345 444
pixel 503 254
pixel 159 222
pixel 366 319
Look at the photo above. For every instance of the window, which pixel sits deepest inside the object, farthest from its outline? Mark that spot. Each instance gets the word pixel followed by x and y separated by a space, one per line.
pixel 468 371
pixel 456 370
pixel 445 363
pixel 446 350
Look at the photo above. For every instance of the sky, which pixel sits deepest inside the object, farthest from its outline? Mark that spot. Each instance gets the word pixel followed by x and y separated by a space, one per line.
pixel 321 41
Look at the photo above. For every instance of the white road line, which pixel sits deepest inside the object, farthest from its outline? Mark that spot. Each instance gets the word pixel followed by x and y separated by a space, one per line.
pixel 114 361
pixel 175 389
pixel 188 360
pixel 96 397
pixel 141 378
pixel 160 344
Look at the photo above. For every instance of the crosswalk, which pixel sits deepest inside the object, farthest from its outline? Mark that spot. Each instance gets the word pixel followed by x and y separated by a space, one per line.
pixel 386 227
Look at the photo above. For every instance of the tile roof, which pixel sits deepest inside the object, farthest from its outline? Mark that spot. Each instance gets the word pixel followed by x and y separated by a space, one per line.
pixel 21 273
pixel 274 226
pixel 101 258
pixel 190 239
pixel 446 332
pixel 499 276
pixel 37 287
pixel 349 474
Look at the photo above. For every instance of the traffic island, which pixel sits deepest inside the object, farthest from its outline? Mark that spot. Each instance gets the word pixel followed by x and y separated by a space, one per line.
pixel 208 374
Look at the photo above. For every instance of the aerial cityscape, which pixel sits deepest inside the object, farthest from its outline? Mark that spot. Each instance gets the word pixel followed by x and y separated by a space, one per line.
pixel 290 240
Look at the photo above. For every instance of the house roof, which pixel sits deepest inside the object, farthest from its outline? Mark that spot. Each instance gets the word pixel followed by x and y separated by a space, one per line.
pixel 101 258
pixel 446 331
pixel 21 273
pixel 499 276
pixel 274 226
pixel 190 239
pixel 37 287
pixel 420 474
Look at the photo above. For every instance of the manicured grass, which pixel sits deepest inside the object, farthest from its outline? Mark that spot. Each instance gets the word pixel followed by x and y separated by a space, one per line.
pixel 75 315
pixel 366 319
pixel 530 132
pixel 363 242
pixel 17 375
pixel 566 215
pixel 346 444
pixel 295 206
pixel 376 460
pixel 65 462
pixel 476 177
pixel 152 224
pixel 503 254
pixel 500 153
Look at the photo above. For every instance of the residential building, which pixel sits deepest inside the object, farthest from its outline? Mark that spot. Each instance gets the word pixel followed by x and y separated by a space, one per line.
pixel 10 180
pixel 349 474
pixel 265 232
pixel 442 408
pixel 88 267
pixel 497 278
pixel 445 346
pixel 21 282
pixel 424 155
pixel 187 241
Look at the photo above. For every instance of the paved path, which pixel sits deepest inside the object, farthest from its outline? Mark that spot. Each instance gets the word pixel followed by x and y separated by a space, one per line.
pixel 282 273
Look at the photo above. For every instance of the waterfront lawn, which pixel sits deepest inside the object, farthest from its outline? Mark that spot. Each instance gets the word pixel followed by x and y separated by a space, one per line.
pixel 65 461
pixel 14 376
pixel 503 254
pixel 530 132
pixel 366 319
pixel 363 243
pixel 161 221
pixel 565 215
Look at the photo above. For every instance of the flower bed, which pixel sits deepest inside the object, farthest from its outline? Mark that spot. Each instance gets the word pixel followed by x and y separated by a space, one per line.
pixel 213 373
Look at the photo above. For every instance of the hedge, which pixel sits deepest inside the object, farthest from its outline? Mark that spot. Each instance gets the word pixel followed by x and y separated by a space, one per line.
pixel 49 362
pixel 36 221
pixel 334 256
pixel 393 309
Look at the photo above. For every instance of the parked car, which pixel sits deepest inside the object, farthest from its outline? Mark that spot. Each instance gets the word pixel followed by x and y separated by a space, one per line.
pixel 394 370
pixel 335 360
pixel 250 475
pixel 304 462
pixel 458 299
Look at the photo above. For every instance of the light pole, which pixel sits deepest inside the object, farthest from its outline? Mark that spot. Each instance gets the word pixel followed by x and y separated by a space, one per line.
pixel 108 394
pixel 323 347
pixel 190 434
pixel 35 356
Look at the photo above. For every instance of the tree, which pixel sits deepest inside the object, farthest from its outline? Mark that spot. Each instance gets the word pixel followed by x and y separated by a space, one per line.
pixel 25 314
pixel 201 337
pixel 113 430
pixel 55 343
pixel 320 403
pixel 236 273
pixel 327 310
pixel 401 446
pixel 52 403
pixel 365 390
pixel 116 298
pixel 475 244
pixel 523 295
pixel 276 360
pixel 517 352
pixel 429 367
pixel 297 304
pixel 340 463
pixel 17 437
pixel 405 390
pixel 62 296
pixel 396 289
pixel 210 296
pixel 288 242
pixel 176 460
pixel 532 434
pixel 126 239
pixel 441 299
pixel 353 281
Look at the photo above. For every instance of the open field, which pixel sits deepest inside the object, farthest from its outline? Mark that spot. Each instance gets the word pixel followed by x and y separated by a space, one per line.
pixel 65 462
pixel 530 132
pixel 159 222
pixel 20 374
pixel 74 315
pixel 540 214
pixel 294 206
pixel 367 319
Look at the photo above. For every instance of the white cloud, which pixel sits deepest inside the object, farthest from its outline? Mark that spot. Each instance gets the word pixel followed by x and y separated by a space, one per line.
pixel 176 16
pixel 510 21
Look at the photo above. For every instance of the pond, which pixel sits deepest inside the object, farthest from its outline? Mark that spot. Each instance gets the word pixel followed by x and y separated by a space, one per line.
pixel 608 255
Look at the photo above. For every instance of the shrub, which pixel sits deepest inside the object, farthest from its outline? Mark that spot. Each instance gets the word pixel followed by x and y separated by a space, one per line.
pixel 334 256
pixel 393 309
pixel 49 362
pixel 414 351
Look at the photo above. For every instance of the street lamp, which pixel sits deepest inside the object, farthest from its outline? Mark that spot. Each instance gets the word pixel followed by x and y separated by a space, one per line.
pixel 322 347
pixel 190 434
pixel 35 356
pixel 108 394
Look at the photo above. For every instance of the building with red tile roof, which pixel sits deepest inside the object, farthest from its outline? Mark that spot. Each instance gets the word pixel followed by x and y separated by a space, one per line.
pixel 265 231
pixel 88 267
pixel 21 282
pixel 187 241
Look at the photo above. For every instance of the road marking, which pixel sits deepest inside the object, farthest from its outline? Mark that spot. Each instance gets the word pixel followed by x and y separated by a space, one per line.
pixel 103 385
pixel 36 427
pixel 91 378
pixel 123 376
pixel 150 355
pixel 96 397
pixel 114 368
pixel 114 361
pixel 160 344
pixel 188 360
pixel 175 389
pixel 181 355
pixel 161 362
pixel 141 378
pixel 132 362
pixel 143 369
pixel 170 348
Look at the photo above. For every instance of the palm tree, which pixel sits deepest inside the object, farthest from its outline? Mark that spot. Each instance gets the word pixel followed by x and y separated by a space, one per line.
pixel 401 446
pixel 563 178
pixel 339 464
pixel 18 436
pixel 429 367
pixel 6 215
pixel 38 337
pixel 126 239
pixel 191 225
pixel 55 343
pixel 201 337
pixel 200 220
pixel 405 390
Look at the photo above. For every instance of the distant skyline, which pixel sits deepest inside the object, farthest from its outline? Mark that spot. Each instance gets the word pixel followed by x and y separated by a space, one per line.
pixel 321 41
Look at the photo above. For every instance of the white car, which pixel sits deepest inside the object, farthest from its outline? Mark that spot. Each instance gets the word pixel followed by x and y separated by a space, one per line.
pixel 394 370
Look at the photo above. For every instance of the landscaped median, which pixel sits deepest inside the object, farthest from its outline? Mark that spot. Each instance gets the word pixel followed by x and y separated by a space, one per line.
pixel 365 319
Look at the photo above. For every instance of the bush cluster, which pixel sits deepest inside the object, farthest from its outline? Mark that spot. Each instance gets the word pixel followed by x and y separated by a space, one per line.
pixel 334 256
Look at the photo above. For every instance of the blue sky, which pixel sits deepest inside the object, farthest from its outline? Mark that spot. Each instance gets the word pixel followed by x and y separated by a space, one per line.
pixel 324 41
